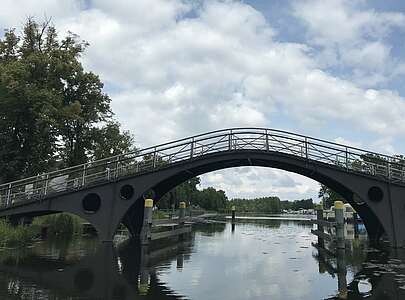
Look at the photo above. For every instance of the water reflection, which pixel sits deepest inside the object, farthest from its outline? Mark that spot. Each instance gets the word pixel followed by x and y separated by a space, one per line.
pixel 378 273
pixel 105 272
pixel 247 260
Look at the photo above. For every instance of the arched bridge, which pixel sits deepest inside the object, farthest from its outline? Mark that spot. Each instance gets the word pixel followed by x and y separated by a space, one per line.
pixel 110 191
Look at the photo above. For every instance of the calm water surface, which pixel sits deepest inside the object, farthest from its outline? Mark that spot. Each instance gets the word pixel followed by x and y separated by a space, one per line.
pixel 259 259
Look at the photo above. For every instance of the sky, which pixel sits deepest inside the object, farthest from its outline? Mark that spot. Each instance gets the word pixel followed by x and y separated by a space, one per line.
pixel 174 68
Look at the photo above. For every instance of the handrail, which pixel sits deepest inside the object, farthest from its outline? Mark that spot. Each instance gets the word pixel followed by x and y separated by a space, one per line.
pixel 248 138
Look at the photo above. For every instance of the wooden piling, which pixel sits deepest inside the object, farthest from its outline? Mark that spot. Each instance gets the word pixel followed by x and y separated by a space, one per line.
pixel 143 279
pixel 355 225
pixel 340 223
pixel 182 212
pixel 341 274
pixel 147 222
pixel 233 213
pixel 319 218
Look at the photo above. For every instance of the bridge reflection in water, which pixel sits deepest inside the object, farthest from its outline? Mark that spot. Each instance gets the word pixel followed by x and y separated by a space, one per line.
pixel 129 271
pixel 379 273
pixel 126 272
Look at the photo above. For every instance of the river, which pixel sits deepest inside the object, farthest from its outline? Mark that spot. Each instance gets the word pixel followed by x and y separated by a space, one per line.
pixel 262 258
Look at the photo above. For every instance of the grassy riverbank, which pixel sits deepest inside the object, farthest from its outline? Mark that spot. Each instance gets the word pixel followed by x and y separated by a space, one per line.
pixel 65 225
pixel 15 236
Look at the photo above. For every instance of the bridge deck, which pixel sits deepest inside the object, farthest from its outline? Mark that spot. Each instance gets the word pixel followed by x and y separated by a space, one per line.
pixel 154 158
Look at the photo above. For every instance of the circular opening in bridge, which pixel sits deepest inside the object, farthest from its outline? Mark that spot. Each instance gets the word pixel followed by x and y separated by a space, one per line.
pixel 375 194
pixel 91 203
pixel 126 192
pixel 84 280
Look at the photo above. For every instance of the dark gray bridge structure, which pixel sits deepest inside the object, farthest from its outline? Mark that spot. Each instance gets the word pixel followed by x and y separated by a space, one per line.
pixel 111 191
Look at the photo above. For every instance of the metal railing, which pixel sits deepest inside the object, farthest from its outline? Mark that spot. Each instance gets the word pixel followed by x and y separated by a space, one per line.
pixel 161 156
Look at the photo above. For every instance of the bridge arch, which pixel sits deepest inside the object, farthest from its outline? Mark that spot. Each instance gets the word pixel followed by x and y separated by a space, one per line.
pixel 345 186
pixel 373 183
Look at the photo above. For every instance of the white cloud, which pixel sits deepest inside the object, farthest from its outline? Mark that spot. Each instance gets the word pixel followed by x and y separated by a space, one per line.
pixel 175 69
pixel 250 182
pixel 351 35
pixel 346 142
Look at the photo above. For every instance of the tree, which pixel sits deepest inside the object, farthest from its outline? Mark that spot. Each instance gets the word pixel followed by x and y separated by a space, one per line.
pixel 28 130
pixel 211 199
pixel 110 141
pixel 329 196
pixel 53 113
pixel 186 191
pixel 262 205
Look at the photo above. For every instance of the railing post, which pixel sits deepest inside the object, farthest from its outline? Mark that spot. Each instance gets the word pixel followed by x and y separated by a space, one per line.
pixel 230 141
pixel 192 148
pixel 46 184
pixel 389 170
pixel 347 159
pixel 154 159
pixel 84 175
pixel 306 147
pixel 108 173
pixel 8 195
pixel 117 165
pixel 267 141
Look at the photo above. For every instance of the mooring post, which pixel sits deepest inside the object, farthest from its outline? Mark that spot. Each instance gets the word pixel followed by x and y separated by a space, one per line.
pixel 182 212
pixel 355 224
pixel 147 222
pixel 143 279
pixel 340 223
pixel 342 272
pixel 172 213
pixel 319 218
pixel 233 214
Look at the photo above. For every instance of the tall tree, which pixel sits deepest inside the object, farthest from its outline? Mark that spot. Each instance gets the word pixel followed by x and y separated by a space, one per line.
pixel 28 107
pixel 109 140
pixel 53 113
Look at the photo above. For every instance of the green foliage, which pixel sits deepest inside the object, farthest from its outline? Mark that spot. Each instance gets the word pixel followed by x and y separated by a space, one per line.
pixel 13 236
pixel 298 204
pixel 263 205
pixel 53 113
pixel 110 141
pixel 157 214
pixel 209 198
pixel 329 196
pixel 61 224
